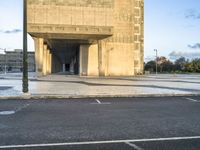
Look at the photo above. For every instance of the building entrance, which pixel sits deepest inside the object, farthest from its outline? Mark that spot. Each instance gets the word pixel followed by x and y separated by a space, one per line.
pixel 66 54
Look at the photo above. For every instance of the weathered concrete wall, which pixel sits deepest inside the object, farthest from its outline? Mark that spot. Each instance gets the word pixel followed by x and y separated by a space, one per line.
pixel 125 47
pixel 84 59
pixel 79 12
pixel 123 53
pixel 93 69
pixel 69 18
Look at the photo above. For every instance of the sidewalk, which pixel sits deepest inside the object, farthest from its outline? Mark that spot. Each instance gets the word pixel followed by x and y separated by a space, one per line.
pixel 65 86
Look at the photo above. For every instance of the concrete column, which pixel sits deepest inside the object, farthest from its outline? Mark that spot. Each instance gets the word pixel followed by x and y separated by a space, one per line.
pixel 101 59
pixel 93 68
pixel 41 51
pixel 39 55
pixel 44 70
pixel 36 42
pixel 71 70
pixel 83 58
pixel 89 60
pixel 50 63
pixel 80 61
pixel 47 61
pixel 64 68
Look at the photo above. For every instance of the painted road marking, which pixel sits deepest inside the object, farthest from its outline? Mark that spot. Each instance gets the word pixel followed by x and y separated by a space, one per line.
pixel 11 112
pixel 98 102
pixel 190 99
pixel 100 142
pixel 134 146
pixel 7 112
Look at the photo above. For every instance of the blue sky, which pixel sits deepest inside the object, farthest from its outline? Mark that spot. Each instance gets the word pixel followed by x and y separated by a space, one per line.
pixel 11 25
pixel 170 26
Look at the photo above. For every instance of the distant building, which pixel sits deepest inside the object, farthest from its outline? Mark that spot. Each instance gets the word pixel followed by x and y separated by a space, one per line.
pixel 12 61
pixel 2 62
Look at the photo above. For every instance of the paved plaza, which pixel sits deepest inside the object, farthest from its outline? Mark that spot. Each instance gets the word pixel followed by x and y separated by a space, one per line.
pixel 66 86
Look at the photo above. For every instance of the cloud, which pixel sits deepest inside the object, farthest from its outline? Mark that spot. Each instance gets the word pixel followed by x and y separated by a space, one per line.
pixel 10 31
pixel 195 46
pixel 192 14
pixel 188 55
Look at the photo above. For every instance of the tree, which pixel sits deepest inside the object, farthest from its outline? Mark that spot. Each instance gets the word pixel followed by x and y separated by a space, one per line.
pixel 164 65
pixel 167 66
pixel 161 59
pixel 196 65
pixel 189 67
pixel 180 64
pixel 150 66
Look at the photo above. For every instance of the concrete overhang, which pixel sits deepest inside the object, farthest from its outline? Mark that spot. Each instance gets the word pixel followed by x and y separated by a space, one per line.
pixel 52 31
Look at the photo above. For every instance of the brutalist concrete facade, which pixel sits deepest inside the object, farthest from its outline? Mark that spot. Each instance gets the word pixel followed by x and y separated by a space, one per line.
pixel 88 37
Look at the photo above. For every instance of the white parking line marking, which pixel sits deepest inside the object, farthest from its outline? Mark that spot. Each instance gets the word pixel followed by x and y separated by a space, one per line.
pixel 98 101
pixel 100 104
pixel 190 99
pixel 7 112
pixel 134 146
pixel 100 142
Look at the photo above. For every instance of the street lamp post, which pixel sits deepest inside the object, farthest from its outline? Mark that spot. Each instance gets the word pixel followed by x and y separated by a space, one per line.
pixel 156 60
pixel 25 58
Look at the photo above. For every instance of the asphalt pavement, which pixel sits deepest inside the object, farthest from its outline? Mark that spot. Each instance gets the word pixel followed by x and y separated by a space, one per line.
pixel 162 123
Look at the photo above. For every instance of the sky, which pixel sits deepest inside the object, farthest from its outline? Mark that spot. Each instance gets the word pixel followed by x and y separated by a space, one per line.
pixel 171 26
pixel 11 25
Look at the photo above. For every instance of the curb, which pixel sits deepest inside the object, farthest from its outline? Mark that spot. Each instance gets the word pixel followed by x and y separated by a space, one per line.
pixel 37 96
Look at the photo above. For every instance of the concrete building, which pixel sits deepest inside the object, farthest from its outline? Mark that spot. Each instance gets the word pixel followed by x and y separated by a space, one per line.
pixel 12 61
pixel 87 37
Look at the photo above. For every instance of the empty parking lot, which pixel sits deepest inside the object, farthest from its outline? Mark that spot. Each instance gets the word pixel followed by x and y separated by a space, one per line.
pixel 101 123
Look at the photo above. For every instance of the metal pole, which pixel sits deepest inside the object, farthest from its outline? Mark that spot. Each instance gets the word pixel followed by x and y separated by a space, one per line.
pixel 25 58
pixel 156 60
